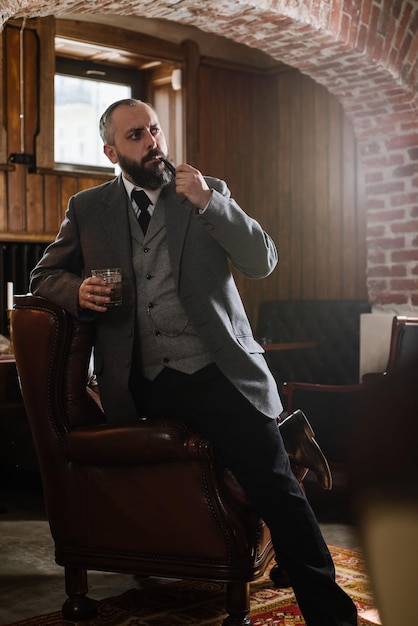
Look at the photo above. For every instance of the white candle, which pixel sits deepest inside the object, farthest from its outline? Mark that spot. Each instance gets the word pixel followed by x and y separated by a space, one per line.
pixel 9 296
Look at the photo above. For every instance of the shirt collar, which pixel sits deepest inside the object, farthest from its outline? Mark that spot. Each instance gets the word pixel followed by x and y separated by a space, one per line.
pixel 153 194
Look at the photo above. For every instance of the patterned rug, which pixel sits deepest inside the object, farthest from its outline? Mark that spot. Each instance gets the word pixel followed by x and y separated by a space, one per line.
pixel 196 603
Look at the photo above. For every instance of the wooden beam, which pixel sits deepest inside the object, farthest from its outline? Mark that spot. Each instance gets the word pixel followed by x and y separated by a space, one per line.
pixel 112 37
pixel 191 101
pixel 46 73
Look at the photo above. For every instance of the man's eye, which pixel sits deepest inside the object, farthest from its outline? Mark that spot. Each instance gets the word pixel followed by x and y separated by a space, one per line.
pixel 155 130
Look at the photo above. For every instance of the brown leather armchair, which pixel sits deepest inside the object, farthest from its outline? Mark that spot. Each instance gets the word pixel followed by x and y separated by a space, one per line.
pixel 147 499
pixel 334 410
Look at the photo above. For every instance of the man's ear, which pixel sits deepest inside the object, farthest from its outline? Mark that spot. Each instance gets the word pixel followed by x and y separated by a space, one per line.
pixel 110 153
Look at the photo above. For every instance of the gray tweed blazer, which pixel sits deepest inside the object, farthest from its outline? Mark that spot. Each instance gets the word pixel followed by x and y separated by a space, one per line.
pixel 95 233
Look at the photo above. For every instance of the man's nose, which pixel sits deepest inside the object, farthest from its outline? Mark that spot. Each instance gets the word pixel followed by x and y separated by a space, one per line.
pixel 150 139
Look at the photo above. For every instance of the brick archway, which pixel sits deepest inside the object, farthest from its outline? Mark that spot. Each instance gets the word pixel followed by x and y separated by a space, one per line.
pixel 363 51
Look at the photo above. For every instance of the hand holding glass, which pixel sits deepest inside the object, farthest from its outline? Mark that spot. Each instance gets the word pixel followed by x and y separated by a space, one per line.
pixel 113 278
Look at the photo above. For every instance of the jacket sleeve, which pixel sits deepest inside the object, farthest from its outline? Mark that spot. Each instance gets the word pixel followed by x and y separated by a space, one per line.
pixel 59 273
pixel 250 249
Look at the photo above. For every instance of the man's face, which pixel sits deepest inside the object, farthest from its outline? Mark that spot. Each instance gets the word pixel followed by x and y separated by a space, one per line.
pixel 138 141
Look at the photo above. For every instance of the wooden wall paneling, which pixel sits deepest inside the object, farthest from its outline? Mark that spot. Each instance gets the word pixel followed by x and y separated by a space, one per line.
pixel 299 161
pixel 180 152
pixel 3 128
pixel 320 163
pixel 253 196
pixel 16 200
pixel 237 146
pixel 16 178
pixel 191 102
pixel 307 203
pixel 238 124
pixel 102 179
pixel 336 208
pixel 263 164
pixel 21 86
pixel 30 87
pixel 207 116
pixel 220 153
pixel 86 182
pixel 46 72
pixel 236 142
pixel 3 201
pixel 52 203
pixel 21 122
pixel 282 141
pixel 34 204
pixel 307 260
pixel 68 187
pixel 205 130
pixel 12 92
pixel 220 128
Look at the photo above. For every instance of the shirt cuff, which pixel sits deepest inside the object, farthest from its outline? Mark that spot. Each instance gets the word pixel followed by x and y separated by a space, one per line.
pixel 200 211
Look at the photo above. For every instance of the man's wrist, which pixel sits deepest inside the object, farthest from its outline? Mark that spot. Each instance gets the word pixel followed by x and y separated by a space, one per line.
pixel 203 209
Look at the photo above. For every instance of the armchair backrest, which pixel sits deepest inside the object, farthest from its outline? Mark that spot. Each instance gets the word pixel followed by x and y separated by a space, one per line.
pixel 404 342
pixel 52 351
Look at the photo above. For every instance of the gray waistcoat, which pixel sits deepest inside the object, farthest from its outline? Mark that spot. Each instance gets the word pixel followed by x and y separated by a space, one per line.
pixel 164 335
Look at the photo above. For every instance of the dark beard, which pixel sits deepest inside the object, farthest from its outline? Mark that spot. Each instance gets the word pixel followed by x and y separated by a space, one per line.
pixel 152 177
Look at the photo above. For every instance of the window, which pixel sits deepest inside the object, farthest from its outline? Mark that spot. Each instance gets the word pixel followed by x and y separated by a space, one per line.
pixel 85 88
pixel 79 103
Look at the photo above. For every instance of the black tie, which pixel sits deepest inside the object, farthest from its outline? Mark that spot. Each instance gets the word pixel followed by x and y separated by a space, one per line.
pixel 143 203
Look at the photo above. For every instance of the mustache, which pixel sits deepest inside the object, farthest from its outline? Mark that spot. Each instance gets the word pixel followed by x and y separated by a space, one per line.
pixel 151 155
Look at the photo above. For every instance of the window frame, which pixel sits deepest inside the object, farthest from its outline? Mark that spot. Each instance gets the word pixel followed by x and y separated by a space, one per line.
pixel 100 72
pixel 132 43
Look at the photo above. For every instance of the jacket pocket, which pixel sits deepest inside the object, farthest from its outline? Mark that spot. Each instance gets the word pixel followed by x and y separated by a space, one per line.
pixel 250 344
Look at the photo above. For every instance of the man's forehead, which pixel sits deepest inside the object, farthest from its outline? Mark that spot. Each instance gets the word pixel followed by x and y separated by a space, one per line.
pixel 139 115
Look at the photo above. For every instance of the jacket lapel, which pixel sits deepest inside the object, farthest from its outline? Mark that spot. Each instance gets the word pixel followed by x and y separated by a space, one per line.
pixel 115 222
pixel 178 212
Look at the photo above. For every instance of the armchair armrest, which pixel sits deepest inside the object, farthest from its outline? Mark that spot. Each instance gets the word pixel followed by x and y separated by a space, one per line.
pixel 148 441
pixel 372 377
pixel 332 411
pixel 289 389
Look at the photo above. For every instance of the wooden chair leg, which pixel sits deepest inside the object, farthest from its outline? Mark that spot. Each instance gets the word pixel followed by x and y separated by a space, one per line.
pixel 78 606
pixel 237 604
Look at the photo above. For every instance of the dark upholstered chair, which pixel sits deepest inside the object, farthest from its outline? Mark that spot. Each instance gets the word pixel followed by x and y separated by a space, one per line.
pixel 333 409
pixel 332 325
pixel 403 345
pixel 384 494
pixel 147 499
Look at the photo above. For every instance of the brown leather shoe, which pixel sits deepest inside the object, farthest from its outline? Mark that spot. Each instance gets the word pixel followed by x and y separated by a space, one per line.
pixel 303 450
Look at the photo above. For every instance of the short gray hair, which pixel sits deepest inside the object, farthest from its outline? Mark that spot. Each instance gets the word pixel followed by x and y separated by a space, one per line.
pixel 105 124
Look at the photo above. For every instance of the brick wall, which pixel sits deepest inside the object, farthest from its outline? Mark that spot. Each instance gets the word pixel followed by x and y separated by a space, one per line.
pixel 365 52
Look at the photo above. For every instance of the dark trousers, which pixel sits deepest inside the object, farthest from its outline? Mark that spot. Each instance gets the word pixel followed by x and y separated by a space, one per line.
pixel 251 446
